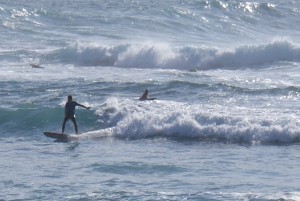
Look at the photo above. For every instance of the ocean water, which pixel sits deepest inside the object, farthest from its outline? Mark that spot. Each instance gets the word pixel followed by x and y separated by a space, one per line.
pixel 224 126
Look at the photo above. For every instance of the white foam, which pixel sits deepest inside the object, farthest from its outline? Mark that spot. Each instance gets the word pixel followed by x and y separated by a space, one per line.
pixel 158 118
pixel 95 134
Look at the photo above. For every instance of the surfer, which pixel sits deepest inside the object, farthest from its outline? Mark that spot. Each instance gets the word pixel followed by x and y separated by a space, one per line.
pixel 145 96
pixel 70 113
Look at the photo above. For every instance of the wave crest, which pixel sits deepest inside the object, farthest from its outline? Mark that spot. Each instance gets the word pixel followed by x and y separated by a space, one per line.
pixel 183 58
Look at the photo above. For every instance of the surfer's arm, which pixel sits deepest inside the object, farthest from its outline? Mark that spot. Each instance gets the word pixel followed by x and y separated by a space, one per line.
pixel 83 106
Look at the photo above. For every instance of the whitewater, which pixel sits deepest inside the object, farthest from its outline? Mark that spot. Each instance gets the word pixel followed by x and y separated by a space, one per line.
pixel 224 124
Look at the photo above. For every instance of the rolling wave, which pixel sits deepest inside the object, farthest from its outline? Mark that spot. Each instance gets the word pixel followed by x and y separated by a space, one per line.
pixel 195 122
pixel 182 58
pixel 127 119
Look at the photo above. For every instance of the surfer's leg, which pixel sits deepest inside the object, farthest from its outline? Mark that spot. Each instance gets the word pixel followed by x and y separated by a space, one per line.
pixel 75 124
pixel 63 125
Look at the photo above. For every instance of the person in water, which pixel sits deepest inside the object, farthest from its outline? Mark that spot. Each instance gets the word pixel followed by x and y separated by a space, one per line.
pixel 70 113
pixel 145 96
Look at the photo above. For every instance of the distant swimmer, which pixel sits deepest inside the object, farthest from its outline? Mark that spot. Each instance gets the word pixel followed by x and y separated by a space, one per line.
pixel 36 66
pixel 145 96
pixel 70 113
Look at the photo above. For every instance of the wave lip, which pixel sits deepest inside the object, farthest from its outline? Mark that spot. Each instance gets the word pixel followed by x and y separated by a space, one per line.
pixel 164 56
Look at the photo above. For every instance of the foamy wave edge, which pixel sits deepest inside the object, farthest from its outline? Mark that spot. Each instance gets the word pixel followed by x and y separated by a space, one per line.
pixel 160 120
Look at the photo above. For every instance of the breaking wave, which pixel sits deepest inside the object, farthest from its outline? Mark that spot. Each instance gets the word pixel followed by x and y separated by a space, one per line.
pixel 164 56
pixel 127 119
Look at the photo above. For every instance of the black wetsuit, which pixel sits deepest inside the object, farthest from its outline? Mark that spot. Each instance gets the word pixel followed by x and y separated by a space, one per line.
pixel 70 114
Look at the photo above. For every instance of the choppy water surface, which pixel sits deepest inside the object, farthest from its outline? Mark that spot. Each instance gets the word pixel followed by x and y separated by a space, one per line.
pixel 224 126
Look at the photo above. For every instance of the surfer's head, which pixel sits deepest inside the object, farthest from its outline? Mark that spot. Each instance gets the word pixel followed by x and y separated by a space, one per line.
pixel 69 98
